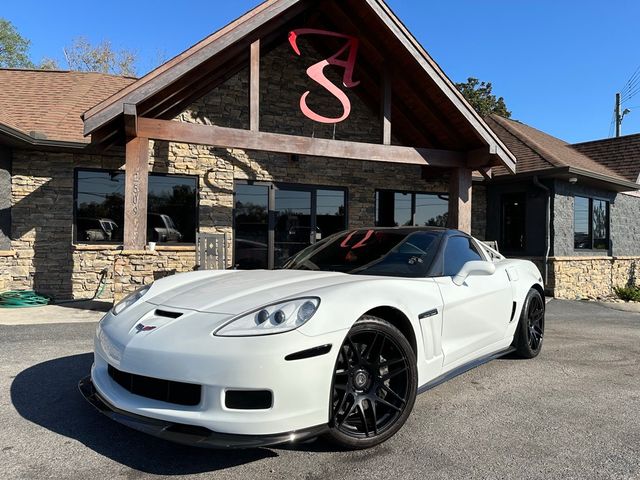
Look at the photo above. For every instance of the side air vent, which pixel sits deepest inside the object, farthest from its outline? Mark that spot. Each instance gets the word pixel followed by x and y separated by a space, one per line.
pixel 167 314
pixel 513 311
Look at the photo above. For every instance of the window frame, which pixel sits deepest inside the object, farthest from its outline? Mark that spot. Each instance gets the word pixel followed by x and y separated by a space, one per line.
pixel 76 170
pixel 413 194
pixel 271 201
pixel 591 200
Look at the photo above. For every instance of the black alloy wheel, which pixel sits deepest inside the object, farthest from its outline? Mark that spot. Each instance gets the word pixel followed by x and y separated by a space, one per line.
pixel 374 384
pixel 530 333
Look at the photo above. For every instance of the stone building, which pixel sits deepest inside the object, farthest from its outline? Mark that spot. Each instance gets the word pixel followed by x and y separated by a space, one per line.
pixel 243 140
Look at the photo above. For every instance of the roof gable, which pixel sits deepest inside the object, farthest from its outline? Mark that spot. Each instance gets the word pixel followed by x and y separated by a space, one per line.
pixel 433 108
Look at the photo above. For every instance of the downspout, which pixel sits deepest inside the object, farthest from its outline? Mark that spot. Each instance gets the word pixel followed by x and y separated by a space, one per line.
pixel 537 183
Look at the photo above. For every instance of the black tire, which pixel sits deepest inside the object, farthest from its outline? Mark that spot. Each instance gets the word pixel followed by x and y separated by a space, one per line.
pixel 374 386
pixel 530 332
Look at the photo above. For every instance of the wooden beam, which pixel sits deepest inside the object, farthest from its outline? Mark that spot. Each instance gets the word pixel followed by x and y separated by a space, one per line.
pixel 460 199
pixel 130 120
pixel 386 107
pixel 486 173
pixel 254 87
pixel 135 194
pixel 290 144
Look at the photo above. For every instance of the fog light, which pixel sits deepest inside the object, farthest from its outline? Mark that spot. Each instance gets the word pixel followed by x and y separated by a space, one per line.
pixel 279 317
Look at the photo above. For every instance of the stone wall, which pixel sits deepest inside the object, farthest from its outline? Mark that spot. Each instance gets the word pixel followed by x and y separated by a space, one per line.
pixel 592 277
pixel 479 211
pixel 5 198
pixel 625 225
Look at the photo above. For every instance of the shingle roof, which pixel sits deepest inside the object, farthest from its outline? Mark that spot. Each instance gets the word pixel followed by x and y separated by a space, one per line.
pixel 536 150
pixel 50 102
pixel 621 154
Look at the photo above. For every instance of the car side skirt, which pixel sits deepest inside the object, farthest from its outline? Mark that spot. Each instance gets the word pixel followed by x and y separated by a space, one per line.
pixel 191 434
pixel 463 368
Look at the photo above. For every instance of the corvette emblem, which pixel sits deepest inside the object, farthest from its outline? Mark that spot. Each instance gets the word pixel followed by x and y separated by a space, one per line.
pixel 144 328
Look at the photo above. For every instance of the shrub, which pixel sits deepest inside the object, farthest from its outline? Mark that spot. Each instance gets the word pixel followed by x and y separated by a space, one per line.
pixel 628 293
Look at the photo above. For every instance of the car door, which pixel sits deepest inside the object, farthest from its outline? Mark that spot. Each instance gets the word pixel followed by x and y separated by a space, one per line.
pixel 475 314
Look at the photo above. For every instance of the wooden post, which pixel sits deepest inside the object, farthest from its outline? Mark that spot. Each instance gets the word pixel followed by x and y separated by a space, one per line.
pixel 386 107
pixel 254 87
pixel 460 199
pixel 135 195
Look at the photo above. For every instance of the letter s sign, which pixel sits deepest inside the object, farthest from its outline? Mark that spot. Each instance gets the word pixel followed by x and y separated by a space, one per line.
pixel 316 72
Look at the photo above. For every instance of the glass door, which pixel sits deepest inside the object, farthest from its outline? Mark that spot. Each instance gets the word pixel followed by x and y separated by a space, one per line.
pixel 293 229
pixel 274 222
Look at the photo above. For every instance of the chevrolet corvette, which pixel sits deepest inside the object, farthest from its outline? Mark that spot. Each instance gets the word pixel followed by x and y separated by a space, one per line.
pixel 337 343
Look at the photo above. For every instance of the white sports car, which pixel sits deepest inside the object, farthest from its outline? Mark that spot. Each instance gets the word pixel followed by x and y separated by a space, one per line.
pixel 337 343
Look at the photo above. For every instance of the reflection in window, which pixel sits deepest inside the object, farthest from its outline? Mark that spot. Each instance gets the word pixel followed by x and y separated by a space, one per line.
pixel 172 207
pixel 99 206
pixel 396 209
pixel 251 226
pixel 591 224
pixel 459 251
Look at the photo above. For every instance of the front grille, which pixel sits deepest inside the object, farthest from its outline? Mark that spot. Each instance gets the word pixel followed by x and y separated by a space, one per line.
pixel 157 389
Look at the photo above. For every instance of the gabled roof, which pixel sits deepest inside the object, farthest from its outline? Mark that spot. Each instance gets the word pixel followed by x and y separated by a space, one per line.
pixel 47 104
pixel 621 154
pixel 538 152
pixel 440 106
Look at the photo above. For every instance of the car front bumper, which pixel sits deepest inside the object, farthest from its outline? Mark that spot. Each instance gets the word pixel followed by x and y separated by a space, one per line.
pixel 300 387
pixel 190 434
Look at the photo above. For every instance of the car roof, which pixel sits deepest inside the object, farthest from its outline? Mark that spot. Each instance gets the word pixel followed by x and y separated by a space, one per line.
pixel 409 229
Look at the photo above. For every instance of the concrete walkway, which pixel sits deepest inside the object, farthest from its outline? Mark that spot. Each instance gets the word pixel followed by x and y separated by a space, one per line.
pixel 77 312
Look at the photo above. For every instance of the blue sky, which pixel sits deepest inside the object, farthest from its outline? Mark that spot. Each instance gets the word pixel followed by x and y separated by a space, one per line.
pixel 558 63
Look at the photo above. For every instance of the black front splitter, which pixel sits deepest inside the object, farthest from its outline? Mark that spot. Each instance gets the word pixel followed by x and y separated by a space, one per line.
pixel 190 434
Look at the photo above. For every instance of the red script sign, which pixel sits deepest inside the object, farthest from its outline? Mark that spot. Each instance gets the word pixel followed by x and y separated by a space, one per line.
pixel 316 72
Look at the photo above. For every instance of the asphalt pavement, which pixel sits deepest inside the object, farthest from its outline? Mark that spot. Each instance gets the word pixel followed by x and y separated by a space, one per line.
pixel 571 413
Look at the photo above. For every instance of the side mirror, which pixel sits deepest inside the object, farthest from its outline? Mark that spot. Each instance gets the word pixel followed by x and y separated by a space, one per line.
pixel 475 267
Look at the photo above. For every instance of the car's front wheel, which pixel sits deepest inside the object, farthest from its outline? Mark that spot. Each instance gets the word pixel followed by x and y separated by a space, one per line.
pixel 374 385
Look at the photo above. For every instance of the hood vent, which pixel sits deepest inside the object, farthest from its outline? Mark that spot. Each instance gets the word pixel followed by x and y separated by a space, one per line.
pixel 167 314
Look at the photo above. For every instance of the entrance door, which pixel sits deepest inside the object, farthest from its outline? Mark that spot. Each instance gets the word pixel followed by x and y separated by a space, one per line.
pixel 293 226
pixel 513 222
pixel 274 222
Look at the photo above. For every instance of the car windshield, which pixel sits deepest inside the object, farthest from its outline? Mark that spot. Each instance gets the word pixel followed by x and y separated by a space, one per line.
pixel 386 252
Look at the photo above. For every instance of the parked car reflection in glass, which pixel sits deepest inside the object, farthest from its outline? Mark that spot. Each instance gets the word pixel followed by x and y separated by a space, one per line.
pixel 97 229
pixel 161 229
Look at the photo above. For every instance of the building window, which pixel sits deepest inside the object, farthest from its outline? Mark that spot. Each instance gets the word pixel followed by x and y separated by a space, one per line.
pixel 99 207
pixel 397 209
pixel 591 224
pixel 274 222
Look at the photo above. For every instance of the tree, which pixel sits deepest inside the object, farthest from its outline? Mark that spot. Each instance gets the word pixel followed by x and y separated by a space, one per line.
pixel 85 57
pixel 13 47
pixel 479 95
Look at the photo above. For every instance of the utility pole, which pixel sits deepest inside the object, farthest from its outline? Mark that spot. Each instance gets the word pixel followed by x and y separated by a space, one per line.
pixel 618 115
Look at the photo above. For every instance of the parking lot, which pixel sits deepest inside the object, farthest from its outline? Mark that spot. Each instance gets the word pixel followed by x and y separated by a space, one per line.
pixel 571 413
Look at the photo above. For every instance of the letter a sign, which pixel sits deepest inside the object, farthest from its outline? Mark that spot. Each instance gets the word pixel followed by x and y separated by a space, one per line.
pixel 316 72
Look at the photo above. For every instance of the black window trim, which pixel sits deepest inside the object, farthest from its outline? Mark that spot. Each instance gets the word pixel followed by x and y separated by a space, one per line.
pixel 74 242
pixel 590 223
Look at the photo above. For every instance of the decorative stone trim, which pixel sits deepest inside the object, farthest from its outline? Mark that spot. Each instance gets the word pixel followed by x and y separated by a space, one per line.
pixel 8 253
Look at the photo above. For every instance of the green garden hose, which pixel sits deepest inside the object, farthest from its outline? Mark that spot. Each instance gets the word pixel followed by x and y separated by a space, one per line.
pixel 22 299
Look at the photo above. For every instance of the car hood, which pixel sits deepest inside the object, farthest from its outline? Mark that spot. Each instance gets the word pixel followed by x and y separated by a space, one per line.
pixel 236 292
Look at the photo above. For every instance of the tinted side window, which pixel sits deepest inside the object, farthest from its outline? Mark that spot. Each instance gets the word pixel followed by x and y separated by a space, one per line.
pixel 459 251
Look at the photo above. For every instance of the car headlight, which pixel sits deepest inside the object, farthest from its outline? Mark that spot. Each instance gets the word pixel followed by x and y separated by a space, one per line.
pixel 130 299
pixel 276 318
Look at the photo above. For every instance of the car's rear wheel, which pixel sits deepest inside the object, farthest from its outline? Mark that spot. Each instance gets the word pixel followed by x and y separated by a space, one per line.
pixel 374 385
pixel 530 333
